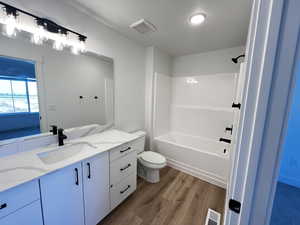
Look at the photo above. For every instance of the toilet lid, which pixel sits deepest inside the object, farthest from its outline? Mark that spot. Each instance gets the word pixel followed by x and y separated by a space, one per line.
pixel 153 157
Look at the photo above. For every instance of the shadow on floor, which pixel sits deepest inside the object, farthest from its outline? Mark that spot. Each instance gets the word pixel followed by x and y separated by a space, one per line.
pixel 286 207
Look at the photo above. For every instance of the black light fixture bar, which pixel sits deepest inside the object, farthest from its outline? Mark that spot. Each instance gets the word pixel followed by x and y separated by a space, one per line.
pixel 46 23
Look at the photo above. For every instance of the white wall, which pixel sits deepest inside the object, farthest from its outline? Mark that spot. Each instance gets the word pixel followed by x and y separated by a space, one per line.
pixel 157 61
pixel 207 63
pixel 162 104
pixel 149 95
pixel 162 62
pixel 129 57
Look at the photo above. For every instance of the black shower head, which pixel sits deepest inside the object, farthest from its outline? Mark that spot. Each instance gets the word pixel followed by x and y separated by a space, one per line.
pixel 236 60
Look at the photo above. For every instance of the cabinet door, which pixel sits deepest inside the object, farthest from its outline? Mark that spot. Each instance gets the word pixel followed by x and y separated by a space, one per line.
pixel 96 188
pixel 29 215
pixel 62 196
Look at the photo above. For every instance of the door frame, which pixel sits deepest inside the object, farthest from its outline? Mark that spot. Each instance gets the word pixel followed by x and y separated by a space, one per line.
pixel 271 51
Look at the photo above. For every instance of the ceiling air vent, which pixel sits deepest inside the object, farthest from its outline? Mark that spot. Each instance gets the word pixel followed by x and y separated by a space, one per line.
pixel 143 26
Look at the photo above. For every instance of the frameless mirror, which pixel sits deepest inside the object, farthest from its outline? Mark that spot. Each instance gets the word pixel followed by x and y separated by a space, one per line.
pixel 40 87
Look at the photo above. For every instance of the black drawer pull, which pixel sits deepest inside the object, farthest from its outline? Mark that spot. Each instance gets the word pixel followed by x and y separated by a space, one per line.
pixel 77 176
pixel 3 206
pixel 126 167
pixel 121 192
pixel 125 150
pixel 89 170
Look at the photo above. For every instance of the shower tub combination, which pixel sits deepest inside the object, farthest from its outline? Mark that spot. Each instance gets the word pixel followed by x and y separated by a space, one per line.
pixel 204 158
pixel 190 116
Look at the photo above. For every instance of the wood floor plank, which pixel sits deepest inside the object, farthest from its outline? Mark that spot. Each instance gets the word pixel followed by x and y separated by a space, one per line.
pixel 178 199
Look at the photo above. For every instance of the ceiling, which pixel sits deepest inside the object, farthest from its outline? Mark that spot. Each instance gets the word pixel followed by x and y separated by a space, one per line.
pixel 226 24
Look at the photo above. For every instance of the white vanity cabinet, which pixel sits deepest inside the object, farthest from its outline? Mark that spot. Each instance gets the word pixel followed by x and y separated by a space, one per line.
pixel 21 205
pixel 78 194
pixel 96 188
pixel 82 193
pixel 123 172
pixel 62 196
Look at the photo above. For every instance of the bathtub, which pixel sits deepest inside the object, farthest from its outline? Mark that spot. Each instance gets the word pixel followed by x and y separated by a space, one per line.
pixel 200 157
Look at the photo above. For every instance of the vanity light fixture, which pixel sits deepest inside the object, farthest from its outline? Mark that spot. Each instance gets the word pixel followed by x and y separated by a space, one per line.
pixel 45 30
pixel 38 37
pixel 39 33
pixel 61 40
pixel 197 19
pixel 10 22
pixel 79 45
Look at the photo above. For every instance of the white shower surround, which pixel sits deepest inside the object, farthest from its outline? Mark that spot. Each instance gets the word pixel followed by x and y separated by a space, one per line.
pixel 190 115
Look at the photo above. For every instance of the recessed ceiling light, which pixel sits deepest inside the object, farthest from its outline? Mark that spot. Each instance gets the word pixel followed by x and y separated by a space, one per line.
pixel 197 19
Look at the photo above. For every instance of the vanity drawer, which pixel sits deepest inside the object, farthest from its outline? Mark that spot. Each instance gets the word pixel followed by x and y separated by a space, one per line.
pixel 121 191
pixel 123 167
pixel 121 151
pixel 18 197
pixel 29 215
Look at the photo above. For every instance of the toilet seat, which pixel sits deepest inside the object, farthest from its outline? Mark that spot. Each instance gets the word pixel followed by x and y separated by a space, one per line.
pixel 152 160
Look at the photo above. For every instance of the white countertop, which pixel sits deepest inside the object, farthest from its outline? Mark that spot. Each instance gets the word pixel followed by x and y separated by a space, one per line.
pixel 23 167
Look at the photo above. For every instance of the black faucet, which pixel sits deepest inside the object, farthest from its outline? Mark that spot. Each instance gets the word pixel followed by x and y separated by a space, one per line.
pixel 61 137
pixel 225 140
pixel 54 129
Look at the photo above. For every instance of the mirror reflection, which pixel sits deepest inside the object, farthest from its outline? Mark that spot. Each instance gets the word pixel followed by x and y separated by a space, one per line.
pixel 41 87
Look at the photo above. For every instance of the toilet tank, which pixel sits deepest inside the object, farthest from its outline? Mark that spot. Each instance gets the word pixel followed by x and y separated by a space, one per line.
pixel 140 141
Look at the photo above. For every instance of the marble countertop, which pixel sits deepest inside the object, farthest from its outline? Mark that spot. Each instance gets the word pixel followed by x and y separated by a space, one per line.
pixel 26 166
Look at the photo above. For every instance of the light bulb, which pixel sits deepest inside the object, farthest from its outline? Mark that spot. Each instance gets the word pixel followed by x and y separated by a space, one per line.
pixel 78 47
pixel 82 47
pixel 75 49
pixel 11 25
pixel 39 35
pixel 58 45
pixel 60 42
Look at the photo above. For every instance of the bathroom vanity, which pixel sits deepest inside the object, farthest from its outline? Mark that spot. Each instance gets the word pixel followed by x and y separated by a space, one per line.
pixel 82 181
pixel 78 183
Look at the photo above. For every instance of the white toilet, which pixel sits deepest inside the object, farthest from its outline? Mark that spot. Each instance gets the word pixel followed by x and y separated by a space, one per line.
pixel 149 163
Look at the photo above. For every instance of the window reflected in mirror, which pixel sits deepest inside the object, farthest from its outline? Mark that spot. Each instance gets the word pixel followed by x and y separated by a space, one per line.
pixel 19 106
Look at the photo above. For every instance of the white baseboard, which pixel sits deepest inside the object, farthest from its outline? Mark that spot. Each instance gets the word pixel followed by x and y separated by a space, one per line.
pixel 195 172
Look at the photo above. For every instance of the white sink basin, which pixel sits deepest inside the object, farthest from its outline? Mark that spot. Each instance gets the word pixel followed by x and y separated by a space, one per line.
pixel 64 152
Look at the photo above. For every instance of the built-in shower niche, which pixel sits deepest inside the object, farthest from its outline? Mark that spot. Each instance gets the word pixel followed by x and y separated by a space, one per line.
pixel 191 115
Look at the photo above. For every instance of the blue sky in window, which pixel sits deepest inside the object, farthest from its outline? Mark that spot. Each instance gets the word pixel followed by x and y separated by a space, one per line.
pixel 5 87
pixel 6 102
pixel 13 96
